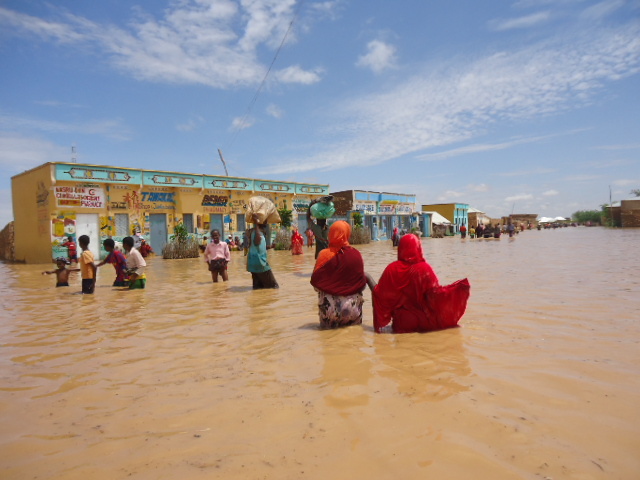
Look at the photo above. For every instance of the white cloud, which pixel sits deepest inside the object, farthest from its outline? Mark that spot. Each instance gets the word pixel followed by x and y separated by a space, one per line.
pixel 19 153
pixel 521 173
pixel 602 9
pixel 295 74
pixel 581 178
pixel 626 181
pixel 208 42
pixel 274 110
pixel 527 21
pixel 476 148
pixel 190 124
pixel 479 188
pixel 379 57
pixel 450 195
pixel 550 193
pixel 240 123
pixel 522 196
pixel 110 128
pixel 454 103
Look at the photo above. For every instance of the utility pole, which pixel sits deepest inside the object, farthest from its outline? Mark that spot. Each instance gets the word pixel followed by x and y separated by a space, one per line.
pixel 224 164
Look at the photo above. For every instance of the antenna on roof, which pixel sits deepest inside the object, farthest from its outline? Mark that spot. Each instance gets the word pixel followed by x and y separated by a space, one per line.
pixel 73 153
pixel 224 164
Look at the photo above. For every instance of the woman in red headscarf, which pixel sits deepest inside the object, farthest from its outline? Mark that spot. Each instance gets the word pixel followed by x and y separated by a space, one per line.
pixel 339 279
pixel 296 242
pixel 410 296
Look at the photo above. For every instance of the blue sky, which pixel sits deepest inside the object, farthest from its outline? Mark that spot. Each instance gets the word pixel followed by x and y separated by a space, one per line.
pixel 528 105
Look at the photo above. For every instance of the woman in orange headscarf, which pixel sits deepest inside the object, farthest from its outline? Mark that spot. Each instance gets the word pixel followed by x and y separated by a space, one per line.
pixel 339 279
pixel 409 294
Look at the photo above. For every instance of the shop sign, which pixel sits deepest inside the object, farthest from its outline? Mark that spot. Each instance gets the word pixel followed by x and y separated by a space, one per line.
pixel 406 209
pixel 215 200
pixel 386 209
pixel 365 208
pixel 301 205
pixel 82 197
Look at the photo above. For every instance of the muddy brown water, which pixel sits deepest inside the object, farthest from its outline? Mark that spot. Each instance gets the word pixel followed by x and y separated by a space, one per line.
pixel 190 379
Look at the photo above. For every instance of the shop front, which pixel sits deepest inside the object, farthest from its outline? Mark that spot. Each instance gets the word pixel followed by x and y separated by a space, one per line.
pixel 109 202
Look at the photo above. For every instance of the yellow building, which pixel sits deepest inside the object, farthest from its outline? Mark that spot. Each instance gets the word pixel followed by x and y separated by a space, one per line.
pixel 456 213
pixel 57 200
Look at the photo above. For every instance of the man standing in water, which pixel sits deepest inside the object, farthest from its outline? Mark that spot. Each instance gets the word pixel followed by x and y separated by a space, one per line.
pixel 319 229
pixel 257 263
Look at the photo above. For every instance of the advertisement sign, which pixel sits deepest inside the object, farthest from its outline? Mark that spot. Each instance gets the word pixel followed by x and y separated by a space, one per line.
pixel 404 209
pixel 386 209
pixel 81 197
pixel 365 208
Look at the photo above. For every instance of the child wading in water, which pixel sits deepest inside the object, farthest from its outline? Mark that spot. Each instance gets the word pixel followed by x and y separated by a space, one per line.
pixel 135 264
pixel 217 257
pixel 119 262
pixel 62 272
pixel 87 267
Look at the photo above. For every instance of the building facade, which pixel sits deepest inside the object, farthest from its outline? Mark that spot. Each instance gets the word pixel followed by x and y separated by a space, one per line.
pixel 456 213
pixel 381 211
pixel 57 200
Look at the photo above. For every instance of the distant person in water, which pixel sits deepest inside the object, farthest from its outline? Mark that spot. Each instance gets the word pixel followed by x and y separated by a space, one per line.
pixel 463 231
pixel 62 272
pixel 339 279
pixel 72 250
pixel 319 229
pixel 257 263
pixel 135 265
pixel 297 242
pixel 395 237
pixel 217 257
pixel 118 260
pixel 310 237
pixel 409 295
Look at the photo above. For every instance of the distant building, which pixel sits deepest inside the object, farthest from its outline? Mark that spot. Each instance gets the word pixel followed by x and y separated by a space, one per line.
pixel 456 213
pixel 521 218
pixel 630 213
pixel 57 200
pixel 381 211
pixel 477 217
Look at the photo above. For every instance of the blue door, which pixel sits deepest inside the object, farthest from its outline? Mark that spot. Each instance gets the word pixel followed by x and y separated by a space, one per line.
pixel 217 224
pixel 158 231
pixel 187 220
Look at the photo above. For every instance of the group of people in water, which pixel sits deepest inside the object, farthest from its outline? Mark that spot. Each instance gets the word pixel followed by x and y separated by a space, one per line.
pixel 407 298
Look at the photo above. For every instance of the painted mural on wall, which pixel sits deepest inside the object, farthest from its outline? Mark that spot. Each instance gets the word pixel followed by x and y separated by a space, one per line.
pixel 63 226
pixel 366 208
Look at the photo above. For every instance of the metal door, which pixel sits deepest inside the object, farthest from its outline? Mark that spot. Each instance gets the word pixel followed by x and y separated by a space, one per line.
pixel 158 231
pixel 122 225
pixel 302 224
pixel 216 222
pixel 89 224
pixel 240 222
pixel 187 220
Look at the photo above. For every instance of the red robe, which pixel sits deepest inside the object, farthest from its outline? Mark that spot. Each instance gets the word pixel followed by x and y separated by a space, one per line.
pixel 410 295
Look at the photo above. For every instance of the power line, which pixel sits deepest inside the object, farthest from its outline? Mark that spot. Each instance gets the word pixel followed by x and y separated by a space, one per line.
pixel 264 80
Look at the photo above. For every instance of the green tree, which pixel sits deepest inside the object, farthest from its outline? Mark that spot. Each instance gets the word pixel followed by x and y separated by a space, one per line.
pixel 635 192
pixel 357 219
pixel 583 216
pixel 286 217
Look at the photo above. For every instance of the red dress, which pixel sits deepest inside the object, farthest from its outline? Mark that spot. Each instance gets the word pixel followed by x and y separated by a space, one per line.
pixel 297 241
pixel 410 295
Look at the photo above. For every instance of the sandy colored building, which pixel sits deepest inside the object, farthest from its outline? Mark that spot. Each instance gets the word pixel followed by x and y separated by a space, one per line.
pixel 57 200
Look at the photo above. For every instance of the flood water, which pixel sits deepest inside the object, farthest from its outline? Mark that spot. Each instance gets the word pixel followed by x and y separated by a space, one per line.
pixel 190 379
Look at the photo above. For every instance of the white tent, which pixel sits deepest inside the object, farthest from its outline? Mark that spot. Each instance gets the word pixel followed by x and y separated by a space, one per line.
pixel 438 219
pixel 546 220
